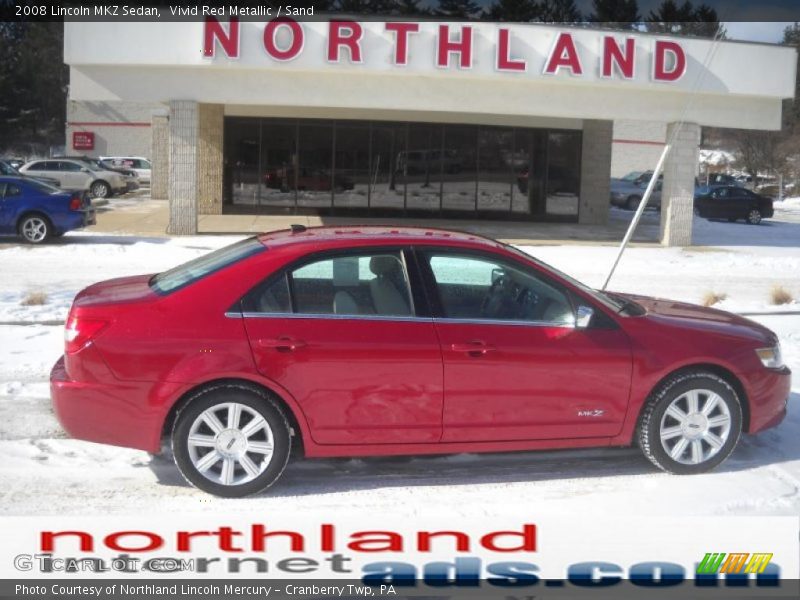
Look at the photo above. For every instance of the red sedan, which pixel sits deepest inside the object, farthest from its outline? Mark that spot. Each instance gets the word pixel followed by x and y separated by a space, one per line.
pixel 378 341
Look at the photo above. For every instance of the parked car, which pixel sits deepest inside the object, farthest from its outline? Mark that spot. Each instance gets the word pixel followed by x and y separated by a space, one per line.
pixel 75 175
pixel 129 175
pixel 139 164
pixel 721 180
pixel 732 203
pixel 8 170
pixel 365 341
pixel 37 211
pixel 15 162
pixel 628 194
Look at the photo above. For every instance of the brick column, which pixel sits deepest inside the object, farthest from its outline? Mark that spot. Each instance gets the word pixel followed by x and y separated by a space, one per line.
pixel 159 157
pixel 595 172
pixel 677 195
pixel 209 184
pixel 183 163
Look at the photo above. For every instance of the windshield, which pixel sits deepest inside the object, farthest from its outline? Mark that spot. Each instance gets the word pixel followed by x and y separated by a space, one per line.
pixel 41 186
pixel 7 169
pixel 188 273
pixel 632 176
pixel 609 301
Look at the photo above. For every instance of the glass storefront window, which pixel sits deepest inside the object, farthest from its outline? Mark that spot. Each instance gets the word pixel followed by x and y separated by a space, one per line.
pixel 563 173
pixel 459 167
pixel 498 164
pixel 387 183
pixel 240 167
pixel 326 165
pixel 351 179
pixel 278 164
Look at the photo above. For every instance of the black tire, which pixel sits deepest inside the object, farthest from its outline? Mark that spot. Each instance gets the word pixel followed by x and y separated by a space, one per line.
pixel 663 397
pixel 256 399
pixel 100 189
pixel 632 203
pixel 35 228
pixel 754 217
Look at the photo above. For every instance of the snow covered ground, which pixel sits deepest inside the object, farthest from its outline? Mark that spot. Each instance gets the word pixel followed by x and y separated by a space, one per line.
pixel 42 472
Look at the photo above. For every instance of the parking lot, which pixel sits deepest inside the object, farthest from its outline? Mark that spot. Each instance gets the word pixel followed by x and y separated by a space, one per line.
pixel 45 473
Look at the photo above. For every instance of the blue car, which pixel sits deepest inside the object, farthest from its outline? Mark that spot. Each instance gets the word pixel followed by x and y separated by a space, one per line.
pixel 37 211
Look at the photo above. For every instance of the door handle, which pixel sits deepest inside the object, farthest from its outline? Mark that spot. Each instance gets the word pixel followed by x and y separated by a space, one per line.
pixel 473 348
pixel 282 344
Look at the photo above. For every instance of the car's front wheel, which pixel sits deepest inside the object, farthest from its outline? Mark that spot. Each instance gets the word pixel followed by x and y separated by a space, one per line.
pixel 632 203
pixel 754 217
pixel 691 423
pixel 231 441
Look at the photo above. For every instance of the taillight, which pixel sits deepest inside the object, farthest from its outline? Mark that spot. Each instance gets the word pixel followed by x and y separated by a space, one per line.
pixel 80 332
pixel 75 203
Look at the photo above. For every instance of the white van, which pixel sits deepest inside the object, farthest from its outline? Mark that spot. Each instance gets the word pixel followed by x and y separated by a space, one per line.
pixel 136 163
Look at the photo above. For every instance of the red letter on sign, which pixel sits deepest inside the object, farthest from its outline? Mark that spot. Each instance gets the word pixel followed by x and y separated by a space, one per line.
pixel 564 54
pixel 214 31
pixel 297 38
pixel 463 47
pixel 660 72
pixel 351 40
pixel 504 60
pixel 401 44
pixel 612 54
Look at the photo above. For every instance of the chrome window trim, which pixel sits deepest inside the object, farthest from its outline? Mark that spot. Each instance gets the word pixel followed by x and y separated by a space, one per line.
pixel 445 320
pixel 255 315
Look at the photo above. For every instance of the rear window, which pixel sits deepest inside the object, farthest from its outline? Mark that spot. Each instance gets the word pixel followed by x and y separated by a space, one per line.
pixel 188 273
pixel 41 186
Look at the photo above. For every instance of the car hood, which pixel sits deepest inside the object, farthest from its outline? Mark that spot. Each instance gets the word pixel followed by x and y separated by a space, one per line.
pixel 712 320
pixel 113 291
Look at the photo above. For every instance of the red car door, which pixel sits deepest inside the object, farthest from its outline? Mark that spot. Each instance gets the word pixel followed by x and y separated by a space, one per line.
pixel 342 335
pixel 515 365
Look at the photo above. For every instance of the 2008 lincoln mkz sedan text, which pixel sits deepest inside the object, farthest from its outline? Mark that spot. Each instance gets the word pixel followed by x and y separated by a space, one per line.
pixel 378 341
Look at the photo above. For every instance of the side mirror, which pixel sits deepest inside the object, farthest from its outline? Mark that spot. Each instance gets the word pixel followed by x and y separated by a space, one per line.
pixel 84 170
pixel 583 316
pixel 497 274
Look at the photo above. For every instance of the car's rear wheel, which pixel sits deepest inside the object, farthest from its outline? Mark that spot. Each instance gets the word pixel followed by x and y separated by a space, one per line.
pixel 691 423
pixel 754 217
pixel 100 189
pixel 35 229
pixel 231 441
pixel 633 202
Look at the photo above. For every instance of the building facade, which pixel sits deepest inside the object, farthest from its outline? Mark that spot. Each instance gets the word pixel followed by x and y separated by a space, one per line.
pixel 480 120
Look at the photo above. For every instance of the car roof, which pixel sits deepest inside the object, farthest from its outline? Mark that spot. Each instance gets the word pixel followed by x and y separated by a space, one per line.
pixel 383 235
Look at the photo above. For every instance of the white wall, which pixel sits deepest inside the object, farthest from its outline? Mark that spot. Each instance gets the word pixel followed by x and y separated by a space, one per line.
pixel 726 84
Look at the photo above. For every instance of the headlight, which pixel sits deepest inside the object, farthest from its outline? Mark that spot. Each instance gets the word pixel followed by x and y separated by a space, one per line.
pixel 771 357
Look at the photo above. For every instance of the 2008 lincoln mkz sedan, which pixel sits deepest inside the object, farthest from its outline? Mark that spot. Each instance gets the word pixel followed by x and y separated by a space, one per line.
pixel 378 341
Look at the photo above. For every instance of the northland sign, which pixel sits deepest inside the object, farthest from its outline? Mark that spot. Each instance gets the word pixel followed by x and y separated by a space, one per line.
pixel 452 46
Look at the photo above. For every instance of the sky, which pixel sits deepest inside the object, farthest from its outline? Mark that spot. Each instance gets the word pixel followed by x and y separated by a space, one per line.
pixel 771 31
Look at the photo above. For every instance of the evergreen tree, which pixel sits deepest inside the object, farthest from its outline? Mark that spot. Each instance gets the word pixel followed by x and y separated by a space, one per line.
pixel 685 19
pixel 559 11
pixel 519 11
pixel 615 14
pixel 458 9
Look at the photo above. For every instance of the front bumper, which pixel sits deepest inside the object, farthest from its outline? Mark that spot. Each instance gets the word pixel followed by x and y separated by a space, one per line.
pixel 769 399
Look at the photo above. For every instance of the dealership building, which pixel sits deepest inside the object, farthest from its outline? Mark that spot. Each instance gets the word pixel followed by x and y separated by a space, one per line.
pixel 406 119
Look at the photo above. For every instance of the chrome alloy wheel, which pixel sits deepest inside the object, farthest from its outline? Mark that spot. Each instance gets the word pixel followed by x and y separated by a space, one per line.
pixel 34 229
pixel 230 443
pixel 695 427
